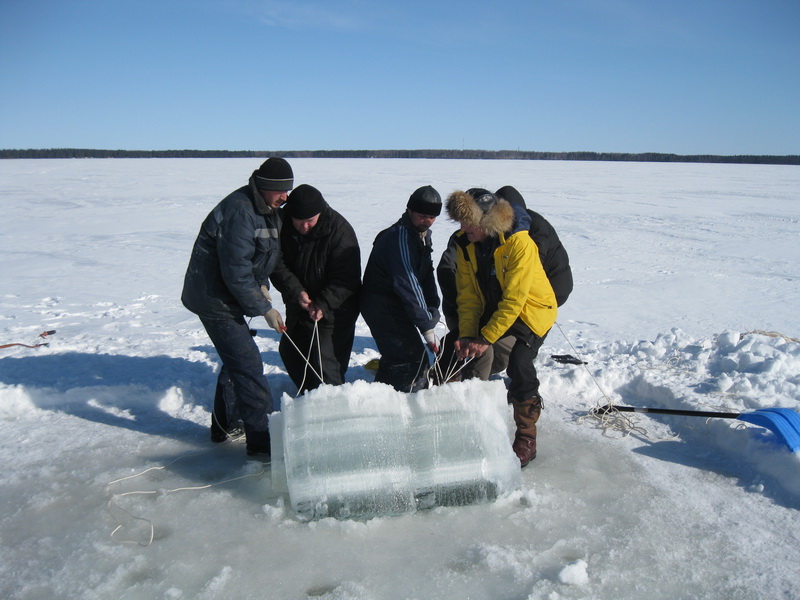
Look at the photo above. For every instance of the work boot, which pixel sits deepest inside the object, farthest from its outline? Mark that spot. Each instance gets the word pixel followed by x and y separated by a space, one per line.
pixel 526 414
pixel 219 435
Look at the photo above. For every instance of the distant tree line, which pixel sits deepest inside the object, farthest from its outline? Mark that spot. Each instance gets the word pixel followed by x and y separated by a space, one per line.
pixel 446 154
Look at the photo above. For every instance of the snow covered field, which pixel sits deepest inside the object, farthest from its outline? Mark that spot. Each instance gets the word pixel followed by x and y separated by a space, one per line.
pixel 687 286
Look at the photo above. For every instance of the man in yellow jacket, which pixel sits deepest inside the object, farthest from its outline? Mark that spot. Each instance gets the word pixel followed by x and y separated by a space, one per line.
pixel 502 290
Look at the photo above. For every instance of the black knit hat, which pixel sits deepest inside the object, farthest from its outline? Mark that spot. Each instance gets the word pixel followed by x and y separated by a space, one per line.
pixel 483 198
pixel 426 201
pixel 274 175
pixel 304 202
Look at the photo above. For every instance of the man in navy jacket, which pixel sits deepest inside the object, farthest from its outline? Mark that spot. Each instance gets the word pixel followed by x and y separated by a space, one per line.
pixel 399 297
pixel 235 252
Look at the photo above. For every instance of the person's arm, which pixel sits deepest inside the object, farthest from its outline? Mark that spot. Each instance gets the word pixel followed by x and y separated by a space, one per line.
pixel 342 269
pixel 236 249
pixel 519 274
pixel 405 282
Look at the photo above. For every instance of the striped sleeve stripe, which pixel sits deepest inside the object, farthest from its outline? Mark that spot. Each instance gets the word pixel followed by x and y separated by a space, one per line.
pixel 405 255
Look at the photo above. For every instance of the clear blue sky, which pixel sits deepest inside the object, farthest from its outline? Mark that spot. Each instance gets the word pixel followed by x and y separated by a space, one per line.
pixel 680 76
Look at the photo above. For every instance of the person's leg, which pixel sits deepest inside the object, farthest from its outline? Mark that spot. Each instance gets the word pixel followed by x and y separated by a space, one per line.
pixel 225 419
pixel 523 391
pixel 404 360
pixel 295 348
pixel 332 371
pixel 342 338
pixel 317 347
pixel 242 360
pixel 502 350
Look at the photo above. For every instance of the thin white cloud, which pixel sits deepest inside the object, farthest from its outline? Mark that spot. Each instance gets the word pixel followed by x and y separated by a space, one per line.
pixel 340 16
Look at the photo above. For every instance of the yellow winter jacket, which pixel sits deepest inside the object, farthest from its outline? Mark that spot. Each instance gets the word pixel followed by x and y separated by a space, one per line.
pixel 527 292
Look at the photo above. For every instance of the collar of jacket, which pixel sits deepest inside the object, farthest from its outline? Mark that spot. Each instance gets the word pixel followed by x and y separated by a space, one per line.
pixel 522 220
pixel 423 236
pixel 259 203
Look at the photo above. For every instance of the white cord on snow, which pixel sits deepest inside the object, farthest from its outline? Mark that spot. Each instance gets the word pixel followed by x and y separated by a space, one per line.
pixel 112 505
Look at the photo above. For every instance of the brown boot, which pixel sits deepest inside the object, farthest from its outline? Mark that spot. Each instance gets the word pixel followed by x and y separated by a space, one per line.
pixel 526 414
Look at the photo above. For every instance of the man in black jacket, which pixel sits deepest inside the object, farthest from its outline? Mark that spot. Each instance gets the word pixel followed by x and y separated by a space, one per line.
pixel 555 259
pixel 399 298
pixel 236 250
pixel 319 277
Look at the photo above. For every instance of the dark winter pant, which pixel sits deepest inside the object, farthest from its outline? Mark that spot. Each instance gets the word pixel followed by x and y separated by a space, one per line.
pixel 242 388
pixel 334 344
pixel 404 360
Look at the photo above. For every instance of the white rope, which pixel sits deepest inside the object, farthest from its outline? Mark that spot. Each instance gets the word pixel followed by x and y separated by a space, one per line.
pixel 306 358
pixel 422 361
pixel 609 418
pixel 112 505
pixel 314 334
pixel 585 366
pixel 773 334
pixel 454 372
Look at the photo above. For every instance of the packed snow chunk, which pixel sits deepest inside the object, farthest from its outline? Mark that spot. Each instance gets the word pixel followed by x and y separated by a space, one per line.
pixel 363 450
pixel 728 340
pixel 574 573
pixel 16 402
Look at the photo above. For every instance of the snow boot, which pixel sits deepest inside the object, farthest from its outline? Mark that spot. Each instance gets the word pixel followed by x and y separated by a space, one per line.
pixel 220 434
pixel 526 414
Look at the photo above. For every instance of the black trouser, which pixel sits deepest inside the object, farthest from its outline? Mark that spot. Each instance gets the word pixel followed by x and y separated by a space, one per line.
pixel 335 345
pixel 242 388
pixel 404 361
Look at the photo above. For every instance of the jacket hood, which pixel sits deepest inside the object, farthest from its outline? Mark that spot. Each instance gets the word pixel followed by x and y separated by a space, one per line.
pixel 495 219
pixel 510 193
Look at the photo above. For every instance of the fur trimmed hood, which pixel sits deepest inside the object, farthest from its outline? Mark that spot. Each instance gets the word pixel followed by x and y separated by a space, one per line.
pixel 492 214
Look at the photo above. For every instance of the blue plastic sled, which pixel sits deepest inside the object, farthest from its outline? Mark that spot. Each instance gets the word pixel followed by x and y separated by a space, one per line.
pixel 783 422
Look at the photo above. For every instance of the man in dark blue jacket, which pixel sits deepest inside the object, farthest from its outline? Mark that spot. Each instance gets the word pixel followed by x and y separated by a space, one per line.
pixel 235 252
pixel 399 297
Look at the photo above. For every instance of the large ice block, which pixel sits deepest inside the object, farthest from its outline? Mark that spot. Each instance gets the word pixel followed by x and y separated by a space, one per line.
pixel 362 449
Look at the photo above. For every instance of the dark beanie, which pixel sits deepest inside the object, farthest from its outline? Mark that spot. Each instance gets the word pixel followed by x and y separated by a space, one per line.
pixel 274 175
pixel 483 198
pixel 511 194
pixel 304 202
pixel 426 201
